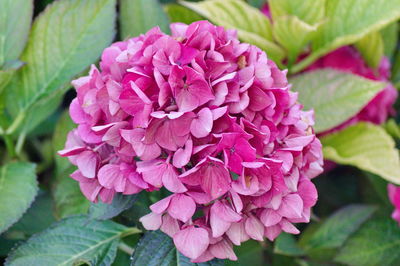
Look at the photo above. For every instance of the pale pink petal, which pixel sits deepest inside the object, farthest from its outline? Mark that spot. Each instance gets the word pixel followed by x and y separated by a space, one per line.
pixel 151 221
pixel 181 207
pixel 192 241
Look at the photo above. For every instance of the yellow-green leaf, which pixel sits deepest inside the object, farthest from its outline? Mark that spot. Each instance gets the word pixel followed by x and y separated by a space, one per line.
pixel 367 147
pixel 293 34
pixel 371 48
pixel 252 26
pixel 178 13
pixel 309 11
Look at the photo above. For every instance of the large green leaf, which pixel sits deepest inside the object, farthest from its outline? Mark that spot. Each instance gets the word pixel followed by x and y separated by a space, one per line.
pixel 367 147
pixel 38 217
pixel 338 227
pixel 104 211
pixel 348 21
pixel 252 26
pixel 68 197
pixel 65 39
pixel 15 21
pixel 293 34
pixel 69 242
pixel 18 188
pixel 138 16
pixel 371 47
pixel 309 11
pixel 376 243
pixel 390 36
pixel 335 96
pixel 178 13
pixel 157 249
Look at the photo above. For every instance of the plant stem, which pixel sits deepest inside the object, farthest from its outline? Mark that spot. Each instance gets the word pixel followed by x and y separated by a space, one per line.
pixel 125 248
pixel 131 231
pixel 10 146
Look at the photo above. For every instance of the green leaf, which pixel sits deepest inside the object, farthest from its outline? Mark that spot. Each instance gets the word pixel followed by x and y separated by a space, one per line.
pixel 286 244
pixel 157 248
pixel 309 11
pixel 138 16
pixel 348 21
pixel 371 48
pixel 293 34
pixel 338 227
pixel 70 242
pixel 335 96
pixel 38 217
pixel 392 128
pixel 18 188
pixel 367 147
pixel 390 37
pixel 104 211
pixel 15 21
pixel 376 243
pixel 178 13
pixel 68 197
pixel 252 26
pixel 56 53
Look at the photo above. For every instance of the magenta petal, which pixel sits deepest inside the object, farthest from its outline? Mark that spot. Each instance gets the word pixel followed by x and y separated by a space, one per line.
pixel 182 156
pixel 109 176
pixel 202 125
pixel 151 221
pixel 192 241
pixel 181 207
pixel 171 181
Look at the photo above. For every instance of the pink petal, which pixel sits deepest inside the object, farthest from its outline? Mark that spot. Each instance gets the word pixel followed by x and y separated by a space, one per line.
pixel 170 226
pixel 162 205
pixel 254 228
pixel 151 221
pixel 223 250
pixel 237 233
pixel 288 227
pixel 87 163
pixel 270 217
pixel 291 206
pixel 182 156
pixel 192 241
pixel 202 125
pixel 171 181
pixel 271 232
pixel 181 207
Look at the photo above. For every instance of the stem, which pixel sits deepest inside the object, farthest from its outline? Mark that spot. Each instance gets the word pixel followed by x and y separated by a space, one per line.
pixel 15 125
pixel 10 146
pixel 125 248
pixel 131 231
pixel 20 143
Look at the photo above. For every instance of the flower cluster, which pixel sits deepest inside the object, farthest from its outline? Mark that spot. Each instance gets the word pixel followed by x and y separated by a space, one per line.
pixel 210 119
pixel 394 196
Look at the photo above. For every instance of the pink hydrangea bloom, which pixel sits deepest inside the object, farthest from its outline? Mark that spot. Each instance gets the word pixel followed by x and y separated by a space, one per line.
pixel 210 119
pixel 394 196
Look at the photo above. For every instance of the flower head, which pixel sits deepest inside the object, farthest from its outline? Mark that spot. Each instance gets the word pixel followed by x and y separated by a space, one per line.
pixel 394 196
pixel 210 119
